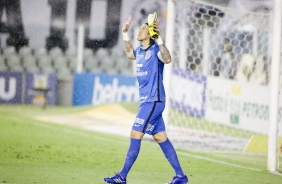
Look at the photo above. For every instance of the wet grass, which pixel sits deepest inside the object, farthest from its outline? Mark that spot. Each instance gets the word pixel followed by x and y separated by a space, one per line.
pixel 42 152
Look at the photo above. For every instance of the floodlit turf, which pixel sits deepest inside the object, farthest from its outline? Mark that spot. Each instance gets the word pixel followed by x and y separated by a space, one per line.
pixel 38 152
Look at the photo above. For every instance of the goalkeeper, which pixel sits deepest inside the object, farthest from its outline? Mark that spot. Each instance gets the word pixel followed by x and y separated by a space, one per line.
pixel 150 58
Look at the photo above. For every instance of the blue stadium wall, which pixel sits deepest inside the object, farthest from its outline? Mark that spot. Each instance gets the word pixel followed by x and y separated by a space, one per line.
pixel 95 89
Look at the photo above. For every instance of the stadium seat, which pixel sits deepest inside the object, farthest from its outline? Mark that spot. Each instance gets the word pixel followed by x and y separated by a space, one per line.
pixel 29 63
pixel 56 52
pixel 87 53
pixel 44 61
pixel 9 51
pixel 3 68
pixel 101 53
pixel 25 51
pixel 120 64
pixel 48 70
pixel 60 62
pixel 13 61
pixel 107 65
pixel 117 52
pixel 45 64
pixel 40 53
pixel 32 69
pixel 95 70
pixel 70 53
pixel 92 64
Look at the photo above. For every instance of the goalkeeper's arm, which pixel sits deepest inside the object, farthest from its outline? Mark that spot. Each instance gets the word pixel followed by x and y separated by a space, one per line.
pixel 164 54
pixel 127 43
pixel 155 33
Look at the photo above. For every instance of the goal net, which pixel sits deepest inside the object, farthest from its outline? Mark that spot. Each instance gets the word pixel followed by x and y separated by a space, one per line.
pixel 219 89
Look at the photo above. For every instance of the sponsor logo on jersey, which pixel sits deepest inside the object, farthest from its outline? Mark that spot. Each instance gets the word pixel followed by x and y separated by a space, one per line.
pixel 150 127
pixel 142 73
pixel 138 122
pixel 148 54
pixel 139 72
pixel 143 97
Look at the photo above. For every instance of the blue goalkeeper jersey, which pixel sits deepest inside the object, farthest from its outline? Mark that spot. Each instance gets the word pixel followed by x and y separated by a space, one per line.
pixel 149 74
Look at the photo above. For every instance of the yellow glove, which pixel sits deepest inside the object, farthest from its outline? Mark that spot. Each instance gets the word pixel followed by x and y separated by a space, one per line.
pixel 152 20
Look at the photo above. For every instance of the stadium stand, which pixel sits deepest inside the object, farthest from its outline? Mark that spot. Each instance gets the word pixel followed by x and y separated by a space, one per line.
pixel 247 69
pixel 63 63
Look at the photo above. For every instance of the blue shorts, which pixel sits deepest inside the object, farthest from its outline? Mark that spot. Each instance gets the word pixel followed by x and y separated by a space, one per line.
pixel 149 118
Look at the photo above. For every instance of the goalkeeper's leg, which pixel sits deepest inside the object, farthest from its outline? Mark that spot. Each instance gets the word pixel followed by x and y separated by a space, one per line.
pixel 131 156
pixel 169 152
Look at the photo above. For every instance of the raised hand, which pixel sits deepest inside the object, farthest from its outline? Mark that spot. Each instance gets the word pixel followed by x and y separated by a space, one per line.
pixel 157 28
pixel 127 24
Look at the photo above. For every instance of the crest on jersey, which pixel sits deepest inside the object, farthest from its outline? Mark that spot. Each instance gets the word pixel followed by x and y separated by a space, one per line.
pixel 148 55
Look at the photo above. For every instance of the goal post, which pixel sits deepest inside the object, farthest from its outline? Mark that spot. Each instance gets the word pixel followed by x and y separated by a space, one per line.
pixel 274 98
pixel 223 84
pixel 169 43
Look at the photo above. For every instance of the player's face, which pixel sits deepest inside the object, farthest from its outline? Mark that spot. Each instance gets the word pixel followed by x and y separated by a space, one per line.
pixel 143 33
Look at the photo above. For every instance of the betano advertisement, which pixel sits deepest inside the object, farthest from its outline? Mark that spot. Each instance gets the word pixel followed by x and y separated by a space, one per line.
pixel 95 89
pixel 239 105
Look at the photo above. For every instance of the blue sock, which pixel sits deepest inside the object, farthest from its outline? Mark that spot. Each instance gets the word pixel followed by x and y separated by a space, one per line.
pixel 171 156
pixel 131 156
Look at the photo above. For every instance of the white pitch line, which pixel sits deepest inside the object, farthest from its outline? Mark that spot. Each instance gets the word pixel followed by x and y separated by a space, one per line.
pixel 249 142
pixel 126 143
pixel 276 173
pixel 218 161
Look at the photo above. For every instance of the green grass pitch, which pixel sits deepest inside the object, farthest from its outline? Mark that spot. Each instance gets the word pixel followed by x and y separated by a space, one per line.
pixel 43 152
